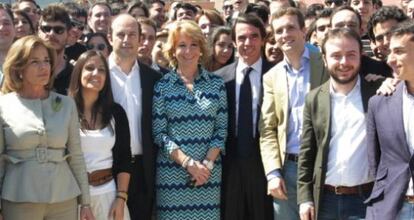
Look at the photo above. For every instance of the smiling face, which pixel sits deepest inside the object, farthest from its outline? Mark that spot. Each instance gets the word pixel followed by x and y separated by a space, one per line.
pixel 343 59
pixel 93 75
pixel 401 57
pixel 272 52
pixel 382 37
pixel 249 42
pixel 38 69
pixel 288 34
pixel 99 19
pixel 223 49
pixel 187 50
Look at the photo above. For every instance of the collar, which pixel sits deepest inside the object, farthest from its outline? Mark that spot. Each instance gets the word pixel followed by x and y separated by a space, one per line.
pixel 256 66
pixel 305 57
pixel 114 67
pixel 357 87
pixel 202 75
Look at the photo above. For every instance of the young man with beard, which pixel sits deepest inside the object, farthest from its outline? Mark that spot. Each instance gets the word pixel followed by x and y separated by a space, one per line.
pixel 390 136
pixel 54 25
pixel 333 177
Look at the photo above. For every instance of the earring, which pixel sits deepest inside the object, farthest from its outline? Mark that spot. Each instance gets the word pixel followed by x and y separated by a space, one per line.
pixel 20 76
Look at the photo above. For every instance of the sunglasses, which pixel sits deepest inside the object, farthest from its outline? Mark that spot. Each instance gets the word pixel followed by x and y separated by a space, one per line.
pixel 77 24
pixel 56 29
pixel 99 47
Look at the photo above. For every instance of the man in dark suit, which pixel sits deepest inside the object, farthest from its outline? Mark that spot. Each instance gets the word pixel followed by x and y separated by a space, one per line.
pixel 132 85
pixel 244 183
pixel 390 136
pixel 333 173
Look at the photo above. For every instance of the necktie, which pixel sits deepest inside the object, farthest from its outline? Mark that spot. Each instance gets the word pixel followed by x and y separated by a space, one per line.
pixel 245 116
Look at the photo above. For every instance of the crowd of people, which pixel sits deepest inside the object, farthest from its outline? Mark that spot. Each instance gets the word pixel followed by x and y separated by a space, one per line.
pixel 256 111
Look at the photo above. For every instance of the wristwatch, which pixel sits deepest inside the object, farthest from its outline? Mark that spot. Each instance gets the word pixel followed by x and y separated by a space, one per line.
pixel 209 164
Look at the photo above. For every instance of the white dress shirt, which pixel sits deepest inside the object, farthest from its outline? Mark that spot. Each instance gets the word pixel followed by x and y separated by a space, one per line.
pixel 347 158
pixel 126 88
pixel 256 84
pixel 408 118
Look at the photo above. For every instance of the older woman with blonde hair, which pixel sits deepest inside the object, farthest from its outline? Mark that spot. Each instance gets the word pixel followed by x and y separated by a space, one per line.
pixel 190 127
pixel 42 167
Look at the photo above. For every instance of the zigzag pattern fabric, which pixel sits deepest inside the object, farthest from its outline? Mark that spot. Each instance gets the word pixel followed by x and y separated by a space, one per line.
pixel 193 121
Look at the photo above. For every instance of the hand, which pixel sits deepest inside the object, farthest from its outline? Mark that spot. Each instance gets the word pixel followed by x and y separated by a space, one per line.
pixel 199 173
pixel 307 211
pixel 117 209
pixel 388 86
pixel 86 214
pixel 370 77
pixel 276 187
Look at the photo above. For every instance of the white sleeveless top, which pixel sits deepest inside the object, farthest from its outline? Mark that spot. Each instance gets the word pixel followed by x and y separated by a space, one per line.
pixel 97 150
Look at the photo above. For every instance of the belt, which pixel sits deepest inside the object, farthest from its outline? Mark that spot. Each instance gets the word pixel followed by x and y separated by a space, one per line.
pixel 292 157
pixel 349 190
pixel 40 154
pixel 409 199
pixel 100 177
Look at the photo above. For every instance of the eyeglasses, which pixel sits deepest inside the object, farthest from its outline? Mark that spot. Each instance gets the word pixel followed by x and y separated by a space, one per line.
pixel 322 28
pixel 99 47
pixel 227 7
pixel 77 24
pixel 56 29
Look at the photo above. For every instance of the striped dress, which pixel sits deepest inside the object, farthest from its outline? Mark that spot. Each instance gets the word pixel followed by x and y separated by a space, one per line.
pixel 193 122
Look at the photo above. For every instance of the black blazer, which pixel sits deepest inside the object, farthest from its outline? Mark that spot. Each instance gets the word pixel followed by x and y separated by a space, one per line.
pixel 229 75
pixel 121 152
pixel 149 77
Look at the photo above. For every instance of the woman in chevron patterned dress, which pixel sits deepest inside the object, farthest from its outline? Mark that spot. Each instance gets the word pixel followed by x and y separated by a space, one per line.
pixel 190 127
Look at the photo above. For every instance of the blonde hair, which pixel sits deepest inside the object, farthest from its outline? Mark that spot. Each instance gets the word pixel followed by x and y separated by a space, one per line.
pixel 190 29
pixel 17 59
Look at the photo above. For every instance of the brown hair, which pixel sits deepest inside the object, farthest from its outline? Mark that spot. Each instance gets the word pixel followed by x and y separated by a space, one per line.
pixel 17 59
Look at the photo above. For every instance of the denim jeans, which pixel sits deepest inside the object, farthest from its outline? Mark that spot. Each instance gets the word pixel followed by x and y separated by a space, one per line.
pixel 342 207
pixel 407 212
pixel 288 209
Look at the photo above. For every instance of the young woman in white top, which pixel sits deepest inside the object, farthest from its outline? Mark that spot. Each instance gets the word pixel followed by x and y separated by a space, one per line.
pixel 105 137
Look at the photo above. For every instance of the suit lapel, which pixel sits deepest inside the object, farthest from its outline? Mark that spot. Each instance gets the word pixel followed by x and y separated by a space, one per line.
pixel 316 70
pixel 368 90
pixel 395 112
pixel 324 115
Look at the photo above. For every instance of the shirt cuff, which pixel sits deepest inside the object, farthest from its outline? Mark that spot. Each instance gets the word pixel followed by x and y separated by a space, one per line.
pixel 274 174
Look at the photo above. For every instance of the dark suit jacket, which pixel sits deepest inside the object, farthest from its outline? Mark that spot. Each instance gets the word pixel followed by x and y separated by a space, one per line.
pixel 229 75
pixel 313 157
pixel 390 159
pixel 371 66
pixel 149 151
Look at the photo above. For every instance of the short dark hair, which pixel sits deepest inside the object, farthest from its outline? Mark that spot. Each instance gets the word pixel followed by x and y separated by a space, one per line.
pixel 405 28
pixel 341 33
pixel 260 10
pixel 249 19
pixel 75 10
pixel 348 8
pixel 186 6
pixel 140 5
pixel 156 1
pixel 325 13
pixel 384 14
pixel 348 2
pixel 101 3
pixel 55 12
pixel 290 11
pixel 148 22
pixel 313 10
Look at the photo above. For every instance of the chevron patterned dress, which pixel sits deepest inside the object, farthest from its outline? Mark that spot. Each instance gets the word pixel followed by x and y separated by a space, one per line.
pixel 193 122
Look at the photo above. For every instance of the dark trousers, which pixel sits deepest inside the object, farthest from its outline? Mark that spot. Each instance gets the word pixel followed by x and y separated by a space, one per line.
pixel 140 203
pixel 244 195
